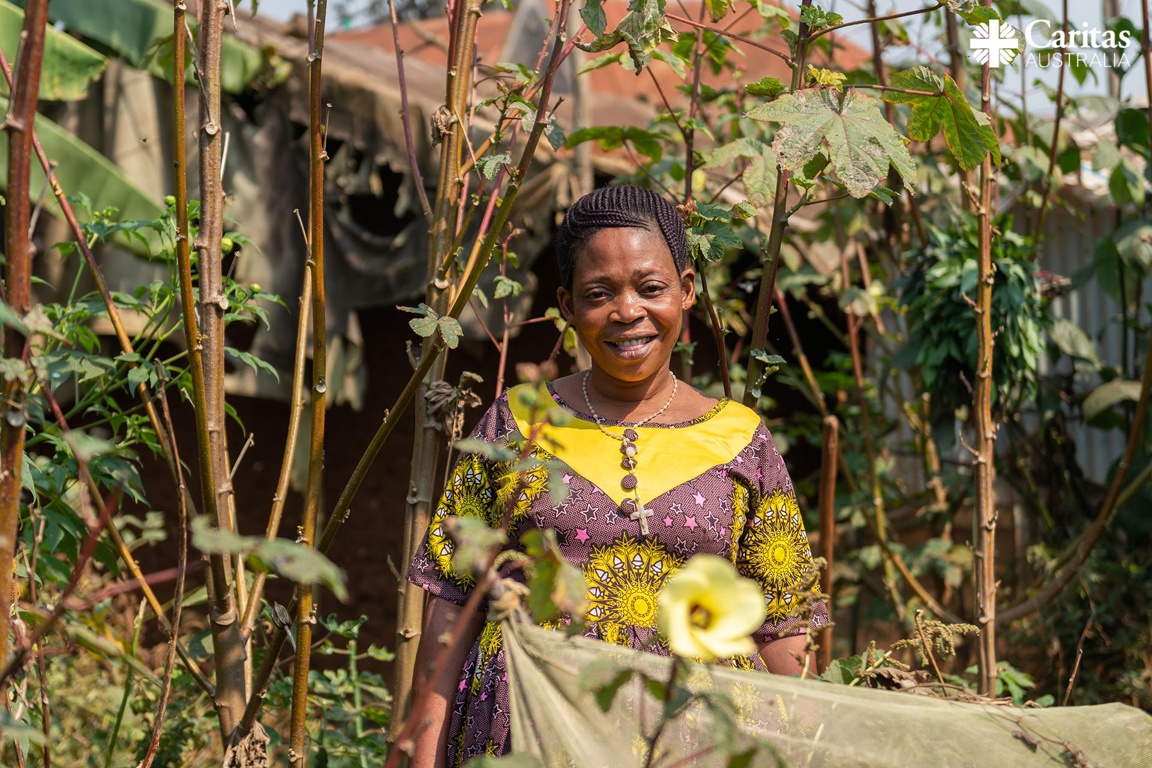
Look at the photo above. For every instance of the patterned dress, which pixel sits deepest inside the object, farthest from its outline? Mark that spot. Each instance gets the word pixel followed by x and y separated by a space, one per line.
pixel 716 484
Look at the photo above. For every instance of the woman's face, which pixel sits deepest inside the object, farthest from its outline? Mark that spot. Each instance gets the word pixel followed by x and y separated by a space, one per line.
pixel 627 301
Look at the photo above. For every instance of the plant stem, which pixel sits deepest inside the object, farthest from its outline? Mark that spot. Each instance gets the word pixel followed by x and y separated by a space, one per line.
pixel 357 701
pixel 739 38
pixel 252 608
pixel 305 611
pixel 1053 149
pixel 406 119
pixel 829 452
pixel 208 345
pixel 984 468
pixel 771 251
pixel 874 19
pixel 426 444
pixel 177 603
pixel 18 292
pixel 717 330
pixel 110 749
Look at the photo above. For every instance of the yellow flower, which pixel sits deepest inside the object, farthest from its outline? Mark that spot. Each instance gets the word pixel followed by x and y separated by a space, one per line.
pixel 708 611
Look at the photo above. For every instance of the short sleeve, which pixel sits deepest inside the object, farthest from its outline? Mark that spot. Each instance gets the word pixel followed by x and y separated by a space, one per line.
pixel 471 491
pixel 772 548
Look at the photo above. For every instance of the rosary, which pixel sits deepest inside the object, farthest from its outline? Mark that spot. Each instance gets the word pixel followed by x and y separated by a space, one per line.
pixel 633 507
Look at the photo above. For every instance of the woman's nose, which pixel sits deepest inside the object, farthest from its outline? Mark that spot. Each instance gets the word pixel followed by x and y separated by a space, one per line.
pixel 629 308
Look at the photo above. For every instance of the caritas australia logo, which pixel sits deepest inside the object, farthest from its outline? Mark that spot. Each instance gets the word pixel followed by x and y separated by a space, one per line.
pixel 1052 45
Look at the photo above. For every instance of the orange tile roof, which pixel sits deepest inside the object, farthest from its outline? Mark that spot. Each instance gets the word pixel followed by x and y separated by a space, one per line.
pixel 611 86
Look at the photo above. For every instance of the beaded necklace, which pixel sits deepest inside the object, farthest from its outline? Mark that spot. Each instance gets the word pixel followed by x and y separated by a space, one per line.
pixel 633 506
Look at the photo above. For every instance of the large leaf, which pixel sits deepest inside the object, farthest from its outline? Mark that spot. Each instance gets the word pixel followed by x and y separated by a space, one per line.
pixel 760 175
pixel 849 128
pixel 137 29
pixel 82 170
pixel 288 558
pixel 967 131
pixel 69 66
pixel 643 29
pixel 1109 394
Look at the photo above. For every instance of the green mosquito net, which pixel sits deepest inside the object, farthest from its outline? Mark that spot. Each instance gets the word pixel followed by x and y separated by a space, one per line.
pixel 738 718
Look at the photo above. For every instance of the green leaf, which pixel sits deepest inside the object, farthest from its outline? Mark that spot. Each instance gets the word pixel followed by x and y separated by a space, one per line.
pixel 9 318
pixel 555 135
pixel 1106 156
pixel 973 12
pixel 292 560
pixel 642 30
pixel 606 678
pixel 843 671
pixel 851 130
pixel 718 8
pixel 429 323
pixel 1109 394
pixel 593 15
pixel 490 451
pixel 556 587
pixel 1126 184
pixel 967 132
pixel 69 66
pixel 1134 244
pixel 1073 341
pixel 253 362
pixel 610 137
pixel 449 331
pixel 506 286
pixel 473 540
pixel 490 165
pixel 18 731
pixel 768 87
pixel 1132 128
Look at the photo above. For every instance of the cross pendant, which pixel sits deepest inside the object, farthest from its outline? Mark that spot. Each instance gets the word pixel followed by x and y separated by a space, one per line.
pixel 642 515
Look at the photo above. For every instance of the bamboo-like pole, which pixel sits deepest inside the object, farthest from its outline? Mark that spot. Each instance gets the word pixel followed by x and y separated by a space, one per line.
pixel 208 345
pixel 427 441
pixel 305 610
pixel 827 500
pixel 984 469
pixel 771 253
pixel 18 292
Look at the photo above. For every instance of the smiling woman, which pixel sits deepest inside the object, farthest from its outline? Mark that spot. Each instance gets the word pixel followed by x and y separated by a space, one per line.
pixel 656 471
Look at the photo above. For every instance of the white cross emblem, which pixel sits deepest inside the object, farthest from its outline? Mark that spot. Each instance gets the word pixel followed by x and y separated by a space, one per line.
pixel 642 515
pixel 994 43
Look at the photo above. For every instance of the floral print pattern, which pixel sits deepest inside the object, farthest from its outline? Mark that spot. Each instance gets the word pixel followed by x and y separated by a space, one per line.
pixel 742 507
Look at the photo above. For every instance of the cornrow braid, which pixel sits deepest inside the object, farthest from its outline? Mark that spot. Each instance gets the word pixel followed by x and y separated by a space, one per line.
pixel 615 208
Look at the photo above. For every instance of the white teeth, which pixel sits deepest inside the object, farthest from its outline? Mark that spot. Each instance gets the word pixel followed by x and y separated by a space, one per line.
pixel 631 342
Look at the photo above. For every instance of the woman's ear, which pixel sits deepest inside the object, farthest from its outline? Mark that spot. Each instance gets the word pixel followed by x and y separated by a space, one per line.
pixel 564 297
pixel 688 287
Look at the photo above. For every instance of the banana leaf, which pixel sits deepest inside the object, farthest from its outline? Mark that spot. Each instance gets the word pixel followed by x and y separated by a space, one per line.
pixel 82 170
pixel 69 65
pixel 140 31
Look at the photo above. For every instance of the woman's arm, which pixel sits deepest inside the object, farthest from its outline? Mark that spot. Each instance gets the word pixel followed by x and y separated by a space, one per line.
pixel 787 656
pixel 433 716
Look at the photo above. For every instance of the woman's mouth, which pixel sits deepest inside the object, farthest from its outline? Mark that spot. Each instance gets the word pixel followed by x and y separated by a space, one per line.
pixel 632 348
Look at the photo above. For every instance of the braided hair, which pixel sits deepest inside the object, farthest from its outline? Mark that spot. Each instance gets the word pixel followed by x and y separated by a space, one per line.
pixel 614 208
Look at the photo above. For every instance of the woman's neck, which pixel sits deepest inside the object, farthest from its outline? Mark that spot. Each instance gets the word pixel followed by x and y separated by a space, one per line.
pixel 625 398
